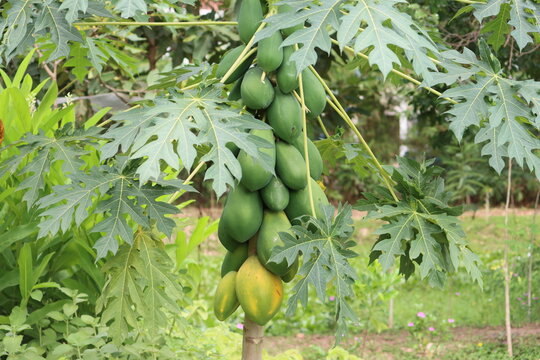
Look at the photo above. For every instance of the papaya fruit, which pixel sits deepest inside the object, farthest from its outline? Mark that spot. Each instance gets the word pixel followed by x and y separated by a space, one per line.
pixel 225 300
pixel 254 175
pixel 268 238
pixel 228 60
pixel 299 203
pixel 234 94
pixel 290 166
pixel 286 77
pixel 285 116
pixel 242 214
pixel 259 292
pixel 314 94
pixel 269 52
pixel 275 195
pixel 315 159
pixel 291 273
pixel 233 260
pixel 249 19
pixel 225 239
pixel 256 93
pixel 288 31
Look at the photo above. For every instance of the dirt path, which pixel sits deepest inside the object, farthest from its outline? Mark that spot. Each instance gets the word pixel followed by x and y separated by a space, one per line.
pixel 380 343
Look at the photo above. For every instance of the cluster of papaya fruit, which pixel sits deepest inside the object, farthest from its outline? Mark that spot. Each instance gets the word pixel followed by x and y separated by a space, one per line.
pixel 263 205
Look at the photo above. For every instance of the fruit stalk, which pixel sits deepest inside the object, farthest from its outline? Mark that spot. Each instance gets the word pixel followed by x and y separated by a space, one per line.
pixel 253 340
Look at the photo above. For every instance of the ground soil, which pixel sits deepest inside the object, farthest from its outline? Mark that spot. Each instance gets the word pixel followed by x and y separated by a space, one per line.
pixel 388 344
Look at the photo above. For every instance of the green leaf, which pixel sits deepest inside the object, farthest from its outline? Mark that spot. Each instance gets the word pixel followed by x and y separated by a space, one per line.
pixel 498 28
pixel 326 247
pixel 19 17
pixel 130 8
pixel 73 7
pixel 78 61
pixel 168 133
pixel 421 227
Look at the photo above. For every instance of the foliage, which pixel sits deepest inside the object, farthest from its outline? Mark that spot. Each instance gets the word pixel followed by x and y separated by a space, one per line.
pixel 421 227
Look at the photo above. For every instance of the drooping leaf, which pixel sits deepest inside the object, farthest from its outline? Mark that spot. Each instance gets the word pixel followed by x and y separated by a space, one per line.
pixel 325 245
pixel 168 132
pixel 421 227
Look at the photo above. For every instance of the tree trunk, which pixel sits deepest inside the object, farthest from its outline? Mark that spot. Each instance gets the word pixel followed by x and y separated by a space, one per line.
pixel 506 267
pixel 252 343
pixel 530 265
pixel 391 313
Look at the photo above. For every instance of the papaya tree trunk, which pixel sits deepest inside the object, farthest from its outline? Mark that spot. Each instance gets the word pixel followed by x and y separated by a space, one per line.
pixel 507 277
pixel 252 343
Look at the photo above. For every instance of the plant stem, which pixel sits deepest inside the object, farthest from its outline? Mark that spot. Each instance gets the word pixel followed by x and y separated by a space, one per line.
pixel 244 52
pixel 341 111
pixel 306 153
pixel 187 181
pixel 530 265
pixel 506 269
pixel 401 74
pixel 148 23
pixel 321 124
pixel 252 342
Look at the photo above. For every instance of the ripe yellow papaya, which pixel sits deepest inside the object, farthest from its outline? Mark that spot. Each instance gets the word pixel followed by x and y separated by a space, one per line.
pixel 285 116
pixel 254 175
pixel 233 260
pixel 286 77
pixel 228 60
pixel 315 159
pixel 290 166
pixel 225 300
pixel 259 292
pixel 249 19
pixel 299 204
pixel 257 92
pixel 269 52
pixel 314 94
pixel 275 195
pixel 242 214
pixel 268 238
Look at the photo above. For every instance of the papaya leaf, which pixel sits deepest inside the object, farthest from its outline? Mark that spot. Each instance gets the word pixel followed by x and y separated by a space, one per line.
pixel 118 196
pixel 420 228
pixel 140 287
pixel 169 131
pixel 505 110
pixel 325 245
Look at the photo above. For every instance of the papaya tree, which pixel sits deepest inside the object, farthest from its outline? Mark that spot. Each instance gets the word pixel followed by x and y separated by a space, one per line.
pixel 243 115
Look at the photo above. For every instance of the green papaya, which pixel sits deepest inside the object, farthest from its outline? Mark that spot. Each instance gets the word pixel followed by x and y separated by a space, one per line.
pixel 254 175
pixel 290 166
pixel 314 94
pixel 299 203
pixel 288 31
pixel 257 91
pixel 269 52
pixel 291 273
pixel 315 159
pixel 286 77
pixel 275 195
pixel 225 300
pixel 259 292
pixel 228 60
pixel 285 116
pixel 242 213
pixel 233 260
pixel 268 238
pixel 226 240
pixel 234 94
pixel 249 19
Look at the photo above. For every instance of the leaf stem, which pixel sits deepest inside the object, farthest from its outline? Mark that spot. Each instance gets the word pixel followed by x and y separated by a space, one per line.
pixel 244 52
pixel 321 124
pixel 341 111
pixel 402 74
pixel 148 23
pixel 187 181
pixel 306 153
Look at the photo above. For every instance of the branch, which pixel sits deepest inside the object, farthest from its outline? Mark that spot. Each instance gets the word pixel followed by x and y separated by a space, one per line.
pixel 150 23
